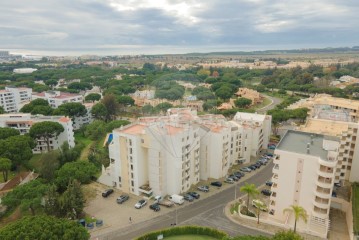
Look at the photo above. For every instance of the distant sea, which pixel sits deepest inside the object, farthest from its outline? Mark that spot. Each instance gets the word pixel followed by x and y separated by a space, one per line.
pixel 148 50
pixel 112 50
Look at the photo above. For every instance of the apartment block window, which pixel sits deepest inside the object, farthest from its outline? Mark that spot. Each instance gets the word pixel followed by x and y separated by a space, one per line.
pixel 142 140
pixel 131 175
pixel 119 179
pixel 132 183
pixel 131 167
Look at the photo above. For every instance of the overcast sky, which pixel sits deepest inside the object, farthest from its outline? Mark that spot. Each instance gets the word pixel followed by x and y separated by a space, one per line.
pixel 164 26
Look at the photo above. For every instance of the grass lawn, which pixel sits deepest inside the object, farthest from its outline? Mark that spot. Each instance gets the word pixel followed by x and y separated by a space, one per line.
pixel 266 101
pixel 35 161
pixel 355 189
pixel 192 237
pixel 79 138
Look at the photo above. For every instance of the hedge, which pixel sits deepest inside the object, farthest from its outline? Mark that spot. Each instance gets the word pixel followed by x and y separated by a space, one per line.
pixel 194 230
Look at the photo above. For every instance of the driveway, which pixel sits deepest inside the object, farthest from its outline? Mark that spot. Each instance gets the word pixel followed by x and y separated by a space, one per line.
pixel 274 102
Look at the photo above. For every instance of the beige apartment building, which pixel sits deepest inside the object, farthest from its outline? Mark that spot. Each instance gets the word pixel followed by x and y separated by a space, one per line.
pixel 167 154
pixel 303 175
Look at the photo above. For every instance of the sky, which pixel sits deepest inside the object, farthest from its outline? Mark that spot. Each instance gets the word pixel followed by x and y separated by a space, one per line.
pixel 173 26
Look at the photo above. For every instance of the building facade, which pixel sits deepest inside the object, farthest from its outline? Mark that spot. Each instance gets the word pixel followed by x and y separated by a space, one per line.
pixel 12 99
pixel 303 174
pixel 24 121
pixel 57 98
pixel 166 155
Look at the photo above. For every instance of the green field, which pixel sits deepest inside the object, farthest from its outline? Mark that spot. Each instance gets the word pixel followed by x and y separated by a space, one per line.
pixel 355 202
pixel 190 237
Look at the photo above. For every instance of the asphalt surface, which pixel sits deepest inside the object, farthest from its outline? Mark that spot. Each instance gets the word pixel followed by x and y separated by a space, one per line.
pixel 275 101
pixel 205 212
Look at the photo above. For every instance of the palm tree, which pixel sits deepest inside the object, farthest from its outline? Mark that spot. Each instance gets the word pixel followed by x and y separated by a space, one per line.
pixel 299 213
pixel 251 191
pixel 259 207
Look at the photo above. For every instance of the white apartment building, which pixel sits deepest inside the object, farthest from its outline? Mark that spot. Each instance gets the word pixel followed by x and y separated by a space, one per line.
pixel 255 132
pixel 78 122
pixel 56 98
pixel 303 174
pixel 24 121
pixel 12 99
pixel 166 155
pixel 154 156
pixel 24 70
pixel 146 94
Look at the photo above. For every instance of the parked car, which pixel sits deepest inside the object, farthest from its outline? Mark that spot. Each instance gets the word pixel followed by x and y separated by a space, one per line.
pixel 229 180
pixel 121 199
pixel 216 184
pixel 234 177
pixel 155 207
pixel 194 194
pixel 245 169
pixel 263 161
pixel 161 201
pixel 337 184
pixel 257 164
pixel 239 174
pixel 256 201
pixel 203 188
pixel 266 192
pixel 272 147
pixel 252 167
pixel 334 194
pixel 140 204
pixel 107 193
pixel 269 183
pixel 269 154
pixel 188 198
pixel 176 199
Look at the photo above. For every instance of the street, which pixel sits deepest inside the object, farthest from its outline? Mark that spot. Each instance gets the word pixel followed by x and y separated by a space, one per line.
pixel 274 102
pixel 206 212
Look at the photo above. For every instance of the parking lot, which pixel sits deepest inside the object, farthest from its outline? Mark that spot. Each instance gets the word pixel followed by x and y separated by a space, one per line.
pixel 116 216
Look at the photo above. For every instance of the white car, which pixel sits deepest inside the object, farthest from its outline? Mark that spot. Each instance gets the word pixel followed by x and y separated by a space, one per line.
pixel 229 180
pixel 140 204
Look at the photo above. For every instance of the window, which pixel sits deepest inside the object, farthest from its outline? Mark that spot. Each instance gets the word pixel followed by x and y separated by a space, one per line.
pixel 119 179
pixel 132 183
pixel 131 167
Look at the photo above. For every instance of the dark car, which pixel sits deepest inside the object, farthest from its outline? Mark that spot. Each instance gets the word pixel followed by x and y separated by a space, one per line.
pixel 269 183
pixel 188 197
pixel 239 174
pixel 266 192
pixel 203 188
pixel 234 177
pixel 194 194
pixel 216 184
pixel 269 155
pixel 155 207
pixel 121 199
pixel 107 193
pixel 252 167
pixel 258 165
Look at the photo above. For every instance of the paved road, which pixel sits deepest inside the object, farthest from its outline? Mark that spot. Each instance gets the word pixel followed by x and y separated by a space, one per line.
pixel 275 101
pixel 206 212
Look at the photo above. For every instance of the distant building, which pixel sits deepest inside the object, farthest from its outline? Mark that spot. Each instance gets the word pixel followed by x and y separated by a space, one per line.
pixel 57 98
pixel 24 121
pixel 12 99
pixel 24 70
pixel 145 94
pixel 78 122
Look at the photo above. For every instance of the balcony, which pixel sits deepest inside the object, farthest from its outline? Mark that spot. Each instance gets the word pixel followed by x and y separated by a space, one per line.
pixel 325 174
pixel 330 162
pixel 275 169
pixel 323 204
pixel 322 193
pixel 320 212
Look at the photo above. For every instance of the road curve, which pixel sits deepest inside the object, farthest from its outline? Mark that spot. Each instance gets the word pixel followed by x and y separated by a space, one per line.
pixel 274 102
pixel 205 212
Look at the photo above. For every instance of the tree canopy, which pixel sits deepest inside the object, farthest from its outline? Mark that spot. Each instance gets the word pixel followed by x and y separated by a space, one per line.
pixel 71 109
pixel 8 132
pixel 46 130
pixel 242 102
pixel 44 227
pixel 93 97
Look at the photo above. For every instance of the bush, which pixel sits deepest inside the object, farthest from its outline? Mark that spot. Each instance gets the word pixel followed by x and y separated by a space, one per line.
pixel 244 212
pixel 195 230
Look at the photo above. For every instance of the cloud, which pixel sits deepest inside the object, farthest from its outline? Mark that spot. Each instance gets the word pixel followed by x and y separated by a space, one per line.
pixel 177 25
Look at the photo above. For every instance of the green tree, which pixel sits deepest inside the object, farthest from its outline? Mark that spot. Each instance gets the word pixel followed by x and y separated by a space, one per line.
pixel 126 100
pixel 95 130
pixel 287 235
pixel 43 110
pixel 49 164
pixel 163 106
pixel 116 124
pixel 112 106
pixel 8 132
pixel 46 130
pixel 44 227
pixel 73 200
pixel 2 111
pixel 52 202
pixel 28 108
pixel 5 166
pixel 93 97
pixel 80 86
pixel 80 170
pixel 251 191
pixel 99 111
pixel 299 213
pixel 17 148
pixel 259 205
pixel 72 109
pixel 224 92
pixel 28 196
pixel 242 102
